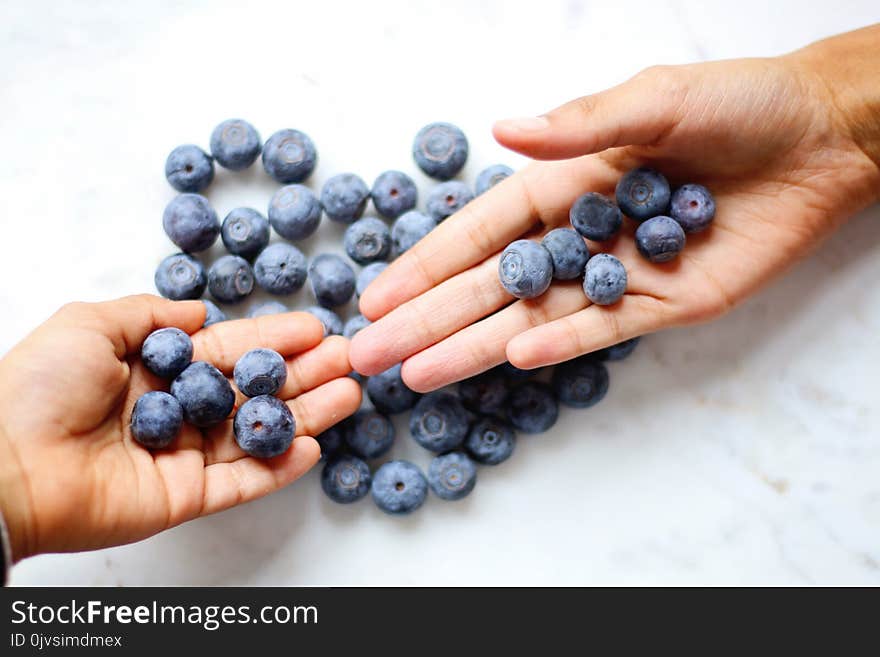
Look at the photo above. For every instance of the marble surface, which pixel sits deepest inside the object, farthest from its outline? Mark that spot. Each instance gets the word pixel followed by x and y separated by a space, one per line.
pixel 745 451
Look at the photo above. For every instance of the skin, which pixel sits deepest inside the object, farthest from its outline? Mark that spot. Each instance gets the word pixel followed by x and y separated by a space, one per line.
pixel 71 475
pixel 789 146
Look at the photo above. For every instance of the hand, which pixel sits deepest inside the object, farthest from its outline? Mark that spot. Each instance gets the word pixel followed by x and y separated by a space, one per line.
pixel 787 154
pixel 71 475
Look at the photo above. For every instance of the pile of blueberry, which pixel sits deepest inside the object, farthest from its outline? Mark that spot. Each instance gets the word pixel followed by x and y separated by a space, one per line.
pixel 527 268
pixel 478 425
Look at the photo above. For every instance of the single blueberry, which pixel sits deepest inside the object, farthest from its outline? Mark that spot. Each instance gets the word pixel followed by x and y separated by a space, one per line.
pixel 619 351
pixel 330 441
pixel 447 198
pixel 388 393
pixel 180 276
pixel 245 232
pixel 281 268
pixel 345 479
pixel 491 176
pixel 331 279
pixel 568 251
pixel 230 279
pixel 156 419
pixel 511 371
pixel 439 422
pixel 260 371
pixel 693 207
pixel 595 216
pixel 642 193
pixel 532 408
pixel 367 240
pixel 452 476
pixel 266 308
pixel 329 320
pixel 490 441
pixel 525 269
pixel 660 239
pixel 264 427
pixel 204 393
pixel 581 383
pixel 393 193
pixel 368 274
pixel 344 197
pixel 289 156
pixel 604 279
pixel 354 324
pixel 440 150
pixel 484 393
pixel 190 222
pixel 166 352
pixel 189 168
pixel 294 212
pixel 235 144
pixel 409 228
pixel 369 434
pixel 399 487
pixel 213 314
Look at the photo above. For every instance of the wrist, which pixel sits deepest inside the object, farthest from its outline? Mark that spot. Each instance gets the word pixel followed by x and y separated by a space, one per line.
pixel 13 502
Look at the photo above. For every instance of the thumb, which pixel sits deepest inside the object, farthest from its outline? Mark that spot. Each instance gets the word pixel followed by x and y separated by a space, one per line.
pixel 637 112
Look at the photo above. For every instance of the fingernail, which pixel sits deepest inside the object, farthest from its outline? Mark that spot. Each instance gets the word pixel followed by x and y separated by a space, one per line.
pixel 526 124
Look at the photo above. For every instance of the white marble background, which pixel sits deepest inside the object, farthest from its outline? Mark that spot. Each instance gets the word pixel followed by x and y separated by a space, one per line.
pixel 742 452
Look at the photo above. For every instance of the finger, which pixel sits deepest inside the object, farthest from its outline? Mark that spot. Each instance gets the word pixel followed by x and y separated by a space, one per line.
pixel 429 318
pixel 222 344
pixel 637 112
pixel 318 365
pixel 587 330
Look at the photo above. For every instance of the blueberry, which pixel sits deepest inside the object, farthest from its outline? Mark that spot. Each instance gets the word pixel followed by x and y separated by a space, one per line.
pixel 367 240
pixel 331 279
pixel 368 274
pixel 289 156
pixel 204 393
pixel 532 408
pixel 189 168
pixel 440 150
pixel 393 193
pixel 491 176
pixel 568 251
pixel 660 239
pixel 344 197
pixel 190 222
pixel 439 422
pixel 604 279
pixel 166 352
pixel 345 479
pixel 388 393
pixel 230 279
pixel 490 441
pixel 354 324
pixel 264 427
pixel 452 476
pixel 235 144
pixel 369 434
pixel 180 276
pixel 213 314
pixel 642 193
pixel 511 371
pixel 329 319
pixel 447 198
pixel 692 206
pixel 525 269
pixel 281 268
pixel 330 441
pixel 581 383
pixel 294 212
pixel 260 372
pixel 245 232
pixel 266 308
pixel 399 487
pixel 484 393
pixel 156 419
pixel 620 350
pixel 409 228
pixel 595 216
